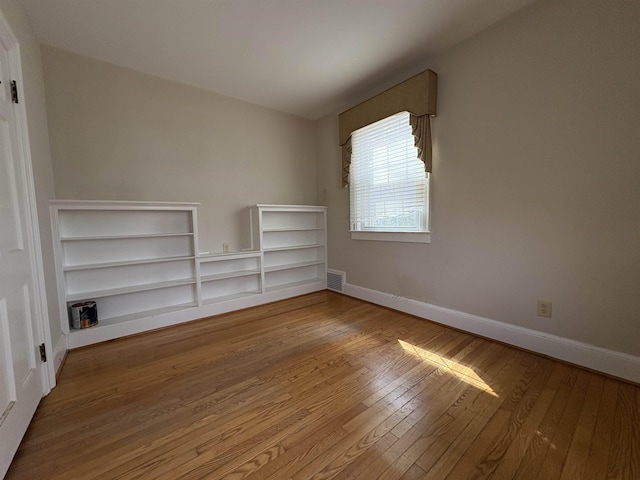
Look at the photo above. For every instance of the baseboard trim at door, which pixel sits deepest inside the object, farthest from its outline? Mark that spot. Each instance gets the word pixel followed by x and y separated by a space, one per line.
pixel 609 362
pixel 59 354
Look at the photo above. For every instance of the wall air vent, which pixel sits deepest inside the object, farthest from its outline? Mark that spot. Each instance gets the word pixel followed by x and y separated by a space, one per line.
pixel 335 280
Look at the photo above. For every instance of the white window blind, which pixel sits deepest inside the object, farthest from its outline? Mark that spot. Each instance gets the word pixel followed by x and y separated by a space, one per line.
pixel 388 184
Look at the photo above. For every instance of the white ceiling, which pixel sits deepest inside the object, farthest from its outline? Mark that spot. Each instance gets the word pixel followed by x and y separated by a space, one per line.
pixel 304 57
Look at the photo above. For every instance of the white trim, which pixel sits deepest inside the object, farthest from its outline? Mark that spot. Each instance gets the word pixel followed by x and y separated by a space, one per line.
pixel 614 363
pixel 59 352
pixel 290 208
pixel 406 237
pixel 119 204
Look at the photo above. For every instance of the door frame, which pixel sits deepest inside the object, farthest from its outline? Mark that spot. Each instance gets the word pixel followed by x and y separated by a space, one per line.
pixel 42 333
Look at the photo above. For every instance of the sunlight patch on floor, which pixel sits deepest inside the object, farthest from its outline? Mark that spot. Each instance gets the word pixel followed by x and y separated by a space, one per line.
pixel 447 365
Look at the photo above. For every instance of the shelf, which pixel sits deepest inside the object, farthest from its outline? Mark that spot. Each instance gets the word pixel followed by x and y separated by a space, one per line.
pixel 226 298
pixel 90 266
pixel 289 266
pixel 94 240
pixel 274 207
pixel 134 316
pixel 292 229
pixel 221 257
pixel 293 247
pixel 131 289
pixel 222 276
pixel 291 285
pixel 126 237
pixel 121 205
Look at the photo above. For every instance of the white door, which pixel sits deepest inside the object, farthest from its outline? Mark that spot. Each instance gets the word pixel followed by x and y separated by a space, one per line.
pixel 21 370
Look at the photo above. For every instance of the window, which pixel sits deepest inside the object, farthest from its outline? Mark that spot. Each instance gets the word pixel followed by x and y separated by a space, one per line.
pixel 389 189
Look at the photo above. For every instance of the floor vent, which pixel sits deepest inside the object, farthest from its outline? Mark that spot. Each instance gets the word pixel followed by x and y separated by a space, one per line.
pixel 335 280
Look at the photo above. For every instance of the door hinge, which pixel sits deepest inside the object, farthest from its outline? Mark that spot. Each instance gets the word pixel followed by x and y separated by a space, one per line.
pixel 14 91
pixel 43 353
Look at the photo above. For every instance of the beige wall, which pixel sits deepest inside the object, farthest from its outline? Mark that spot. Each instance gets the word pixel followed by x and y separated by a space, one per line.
pixel 536 180
pixel 536 166
pixel 117 134
pixel 39 145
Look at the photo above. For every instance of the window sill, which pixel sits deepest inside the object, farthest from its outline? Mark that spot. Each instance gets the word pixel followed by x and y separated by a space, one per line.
pixel 406 237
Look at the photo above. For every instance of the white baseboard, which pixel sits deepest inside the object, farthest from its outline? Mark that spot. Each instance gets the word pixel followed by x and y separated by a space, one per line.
pixel 59 352
pixel 614 363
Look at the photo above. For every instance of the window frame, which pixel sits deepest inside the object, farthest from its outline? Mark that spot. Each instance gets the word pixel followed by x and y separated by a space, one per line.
pixel 407 236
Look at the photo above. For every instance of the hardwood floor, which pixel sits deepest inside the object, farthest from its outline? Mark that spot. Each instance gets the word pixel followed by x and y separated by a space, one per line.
pixel 326 386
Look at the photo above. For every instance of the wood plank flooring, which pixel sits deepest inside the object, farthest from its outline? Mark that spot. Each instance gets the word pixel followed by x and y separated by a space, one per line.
pixel 325 386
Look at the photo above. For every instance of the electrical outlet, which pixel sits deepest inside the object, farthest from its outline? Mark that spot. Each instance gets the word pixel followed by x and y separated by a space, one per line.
pixel 544 309
pixel 225 247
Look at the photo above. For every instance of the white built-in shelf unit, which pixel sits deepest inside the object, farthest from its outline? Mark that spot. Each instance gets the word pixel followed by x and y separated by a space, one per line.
pixel 139 262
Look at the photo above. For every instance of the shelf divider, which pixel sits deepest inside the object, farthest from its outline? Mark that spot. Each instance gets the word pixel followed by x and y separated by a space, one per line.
pixel 223 276
pixel 293 247
pixel 124 263
pixel 72 297
pixel 126 237
pixel 290 266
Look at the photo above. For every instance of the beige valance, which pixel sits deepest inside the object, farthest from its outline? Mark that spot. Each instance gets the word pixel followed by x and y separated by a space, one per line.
pixel 346 161
pixel 421 129
pixel 417 95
